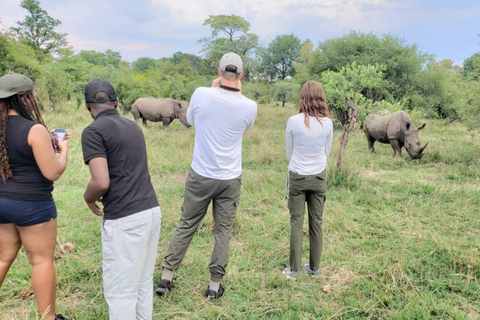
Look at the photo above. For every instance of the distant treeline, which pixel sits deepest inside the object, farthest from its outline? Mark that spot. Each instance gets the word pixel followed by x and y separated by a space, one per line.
pixel 370 70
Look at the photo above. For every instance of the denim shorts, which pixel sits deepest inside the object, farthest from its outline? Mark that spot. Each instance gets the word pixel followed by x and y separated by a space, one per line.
pixel 26 213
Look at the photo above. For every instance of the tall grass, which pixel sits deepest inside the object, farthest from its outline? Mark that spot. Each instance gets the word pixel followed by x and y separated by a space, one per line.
pixel 401 236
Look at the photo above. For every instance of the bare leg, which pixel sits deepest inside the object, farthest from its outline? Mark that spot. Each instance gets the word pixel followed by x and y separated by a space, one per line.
pixel 39 242
pixel 397 147
pixel 9 245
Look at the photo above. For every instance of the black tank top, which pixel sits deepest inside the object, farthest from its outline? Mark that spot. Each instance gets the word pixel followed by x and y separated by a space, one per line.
pixel 27 182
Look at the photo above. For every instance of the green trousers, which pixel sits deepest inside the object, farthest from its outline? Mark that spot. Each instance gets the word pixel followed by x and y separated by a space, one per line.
pixel 310 189
pixel 199 192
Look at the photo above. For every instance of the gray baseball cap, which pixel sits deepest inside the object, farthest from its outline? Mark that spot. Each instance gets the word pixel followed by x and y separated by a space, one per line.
pixel 13 83
pixel 232 61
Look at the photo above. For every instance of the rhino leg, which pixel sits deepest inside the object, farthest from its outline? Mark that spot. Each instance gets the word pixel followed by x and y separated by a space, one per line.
pixel 166 122
pixel 144 121
pixel 371 142
pixel 397 147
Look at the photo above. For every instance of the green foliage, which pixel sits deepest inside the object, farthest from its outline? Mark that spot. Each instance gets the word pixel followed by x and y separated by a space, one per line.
pixel 468 107
pixel 277 59
pixel 131 87
pixel 236 39
pixel 471 67
pixel 352 82
pixel 403 63
pixel 54 86
pixel 438 91
pixel 259 91
pixel 17 57
pixel 38 29
pixel 141 65
pixel 109 58
pixel 286 91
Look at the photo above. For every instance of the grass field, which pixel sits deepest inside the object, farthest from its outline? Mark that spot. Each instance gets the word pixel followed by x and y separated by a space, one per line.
pixel 401 236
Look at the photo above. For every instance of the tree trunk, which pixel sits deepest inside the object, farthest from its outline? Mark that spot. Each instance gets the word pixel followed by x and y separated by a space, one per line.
pixel 347 128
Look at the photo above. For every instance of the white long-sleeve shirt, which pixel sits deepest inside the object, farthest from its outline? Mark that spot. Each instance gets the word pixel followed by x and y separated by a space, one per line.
pixel 220 118
pixel 308 148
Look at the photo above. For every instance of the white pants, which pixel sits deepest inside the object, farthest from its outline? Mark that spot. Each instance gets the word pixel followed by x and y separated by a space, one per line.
pixel 129 247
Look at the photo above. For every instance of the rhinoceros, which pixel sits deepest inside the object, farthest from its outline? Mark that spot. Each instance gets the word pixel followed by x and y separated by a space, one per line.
pixel 165 110
pixel 394 128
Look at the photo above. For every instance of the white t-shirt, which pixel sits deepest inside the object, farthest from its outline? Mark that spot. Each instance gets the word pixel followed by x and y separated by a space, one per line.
pixel 308 148
pixel 220 118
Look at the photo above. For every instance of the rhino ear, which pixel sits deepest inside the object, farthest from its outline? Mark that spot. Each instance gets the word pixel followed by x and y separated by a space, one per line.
pixel 408 125
pixel 422 126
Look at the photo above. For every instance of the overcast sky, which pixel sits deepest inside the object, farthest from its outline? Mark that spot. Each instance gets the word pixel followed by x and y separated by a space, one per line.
pixel 158 28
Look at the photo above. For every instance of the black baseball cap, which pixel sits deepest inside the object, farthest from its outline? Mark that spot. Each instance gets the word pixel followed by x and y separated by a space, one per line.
pixel 96 86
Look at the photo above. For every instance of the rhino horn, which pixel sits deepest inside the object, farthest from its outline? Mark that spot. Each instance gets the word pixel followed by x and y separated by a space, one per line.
pixel 423 148
pixel 421 127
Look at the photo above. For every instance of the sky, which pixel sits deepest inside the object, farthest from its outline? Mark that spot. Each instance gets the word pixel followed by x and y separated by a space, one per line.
pixel 159 28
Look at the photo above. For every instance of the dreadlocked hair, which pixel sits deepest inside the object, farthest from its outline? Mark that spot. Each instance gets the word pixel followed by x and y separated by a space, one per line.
pixel 26 106
pixel 313 102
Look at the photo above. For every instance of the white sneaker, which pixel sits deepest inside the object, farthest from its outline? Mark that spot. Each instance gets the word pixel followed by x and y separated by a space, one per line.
pixel 312 273
pixel 290 273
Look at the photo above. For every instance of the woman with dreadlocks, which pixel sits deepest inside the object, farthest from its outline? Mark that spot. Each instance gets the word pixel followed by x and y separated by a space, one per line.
pixel 28 167
pixel 308 141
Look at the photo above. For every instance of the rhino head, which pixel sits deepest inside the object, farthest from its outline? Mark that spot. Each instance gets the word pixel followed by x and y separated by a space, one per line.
pixel 411 141
pixel 181 113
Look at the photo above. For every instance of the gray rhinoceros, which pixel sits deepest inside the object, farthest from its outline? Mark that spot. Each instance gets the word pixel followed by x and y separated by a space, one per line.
pixel 155 109
pixel 394 128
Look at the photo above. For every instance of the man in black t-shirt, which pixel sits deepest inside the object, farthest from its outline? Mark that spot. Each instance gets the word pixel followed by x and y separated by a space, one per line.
pixel 114 149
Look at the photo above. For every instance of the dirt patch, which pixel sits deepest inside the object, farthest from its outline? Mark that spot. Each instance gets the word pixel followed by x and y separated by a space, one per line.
pixel 178 178
pixel 337 279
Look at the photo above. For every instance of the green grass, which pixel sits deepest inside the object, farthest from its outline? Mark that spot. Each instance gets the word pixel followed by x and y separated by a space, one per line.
pixel 401 236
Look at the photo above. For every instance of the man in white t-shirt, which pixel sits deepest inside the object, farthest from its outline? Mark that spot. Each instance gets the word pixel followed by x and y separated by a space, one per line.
pixel 220 115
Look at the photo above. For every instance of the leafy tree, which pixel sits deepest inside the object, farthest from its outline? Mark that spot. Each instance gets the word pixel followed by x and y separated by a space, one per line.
pixel 468 107
pixel 302 73
pixel 260 91
pixel 471 67
pixel 286 91
pixel 38 29
pixel 112 58
pixel 131 87
pixel 403 63
pixel 438 92
pixel 344 95
pixel 93 57
pixel 277 59
pixel 236 38
pixel 142 64
pixel 17 57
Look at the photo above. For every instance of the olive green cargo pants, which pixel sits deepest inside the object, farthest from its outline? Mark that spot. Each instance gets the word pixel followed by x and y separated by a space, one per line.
pixel 310 189
pixel 199 192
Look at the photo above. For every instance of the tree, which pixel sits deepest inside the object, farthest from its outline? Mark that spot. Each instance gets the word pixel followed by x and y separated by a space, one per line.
pixel 344 95
pixel 38 29
pixel 278 57
pixel 236 38
pixel 471 67
pixel 403 63
pixel 17 57
pixel 142 64
pixel 286 91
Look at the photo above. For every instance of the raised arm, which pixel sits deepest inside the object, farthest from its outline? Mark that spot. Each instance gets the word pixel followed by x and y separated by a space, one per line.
pixel 51 165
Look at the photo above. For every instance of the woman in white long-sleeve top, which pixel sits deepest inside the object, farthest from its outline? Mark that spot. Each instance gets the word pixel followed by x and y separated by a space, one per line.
pixel 308 143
